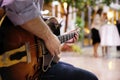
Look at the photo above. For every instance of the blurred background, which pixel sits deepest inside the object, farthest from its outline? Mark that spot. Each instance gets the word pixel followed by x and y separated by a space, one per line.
pixel 79 13
pixel 74 14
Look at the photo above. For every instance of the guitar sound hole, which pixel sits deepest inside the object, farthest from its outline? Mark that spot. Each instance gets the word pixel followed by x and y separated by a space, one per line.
pixel 18 55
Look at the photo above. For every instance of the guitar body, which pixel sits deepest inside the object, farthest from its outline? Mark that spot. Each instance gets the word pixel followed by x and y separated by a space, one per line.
pixel 12 37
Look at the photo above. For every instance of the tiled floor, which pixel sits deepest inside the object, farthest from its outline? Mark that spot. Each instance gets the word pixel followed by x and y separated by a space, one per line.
pixel 107 68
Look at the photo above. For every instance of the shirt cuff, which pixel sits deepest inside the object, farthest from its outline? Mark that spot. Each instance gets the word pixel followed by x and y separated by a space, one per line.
pixel 23 16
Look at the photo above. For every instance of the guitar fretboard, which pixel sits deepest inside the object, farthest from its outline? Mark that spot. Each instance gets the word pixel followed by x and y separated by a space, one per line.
pixel 66 37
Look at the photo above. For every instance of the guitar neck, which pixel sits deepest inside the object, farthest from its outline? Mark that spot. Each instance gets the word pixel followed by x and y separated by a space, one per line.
pixel 66 37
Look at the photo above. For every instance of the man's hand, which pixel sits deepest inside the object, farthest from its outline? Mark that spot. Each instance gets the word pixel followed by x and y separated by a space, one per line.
pixel 53 45
pixel 75 38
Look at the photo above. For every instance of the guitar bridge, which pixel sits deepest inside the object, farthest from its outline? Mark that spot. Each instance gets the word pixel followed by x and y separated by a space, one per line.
pixel 27 48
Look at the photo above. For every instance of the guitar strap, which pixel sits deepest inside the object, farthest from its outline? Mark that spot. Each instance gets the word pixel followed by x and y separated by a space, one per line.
pixel 1 21
pixel 2 15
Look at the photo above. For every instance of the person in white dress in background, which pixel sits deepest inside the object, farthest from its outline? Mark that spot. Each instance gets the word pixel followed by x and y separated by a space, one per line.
pixel 109 35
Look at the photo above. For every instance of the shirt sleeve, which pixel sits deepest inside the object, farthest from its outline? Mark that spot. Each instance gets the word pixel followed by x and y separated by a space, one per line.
pixel 21 11
pixel 6 2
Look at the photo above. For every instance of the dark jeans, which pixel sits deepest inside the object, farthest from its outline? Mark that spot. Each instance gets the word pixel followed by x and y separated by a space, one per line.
pixel 64 71
pixel 61 71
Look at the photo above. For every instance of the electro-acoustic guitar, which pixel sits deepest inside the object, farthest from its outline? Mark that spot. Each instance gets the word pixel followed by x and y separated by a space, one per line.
pixel 24 56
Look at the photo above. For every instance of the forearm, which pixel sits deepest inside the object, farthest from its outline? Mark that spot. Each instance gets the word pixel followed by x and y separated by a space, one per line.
pixel 39 28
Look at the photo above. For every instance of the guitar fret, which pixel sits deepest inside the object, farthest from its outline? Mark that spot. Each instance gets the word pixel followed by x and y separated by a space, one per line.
pixel 61 39
pixel 70 36
pixel 65 39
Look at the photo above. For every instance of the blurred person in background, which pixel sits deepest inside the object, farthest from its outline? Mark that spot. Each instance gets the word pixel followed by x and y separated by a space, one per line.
pixel 109 35
pixel 96 24
pixel 101 30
